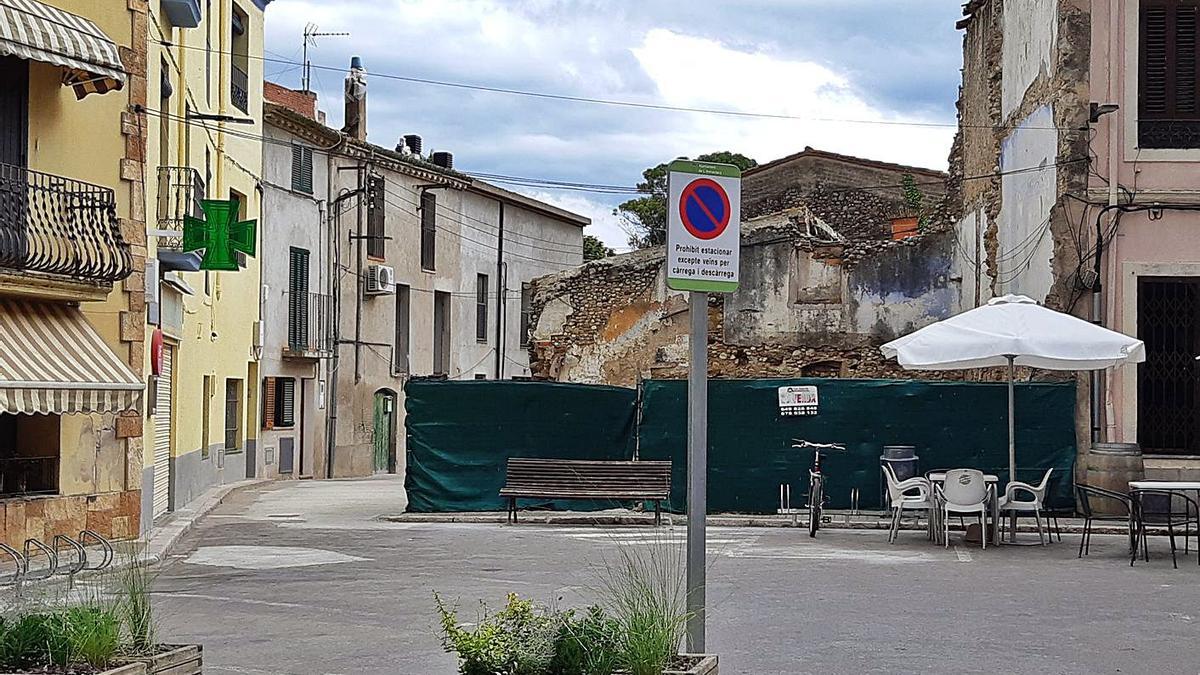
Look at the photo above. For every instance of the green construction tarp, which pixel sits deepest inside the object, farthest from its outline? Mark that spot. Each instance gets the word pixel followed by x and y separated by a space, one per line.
pixel 951 424
pixel 461 433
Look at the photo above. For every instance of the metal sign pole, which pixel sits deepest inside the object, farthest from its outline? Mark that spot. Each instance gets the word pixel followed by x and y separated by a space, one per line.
pixel 697 464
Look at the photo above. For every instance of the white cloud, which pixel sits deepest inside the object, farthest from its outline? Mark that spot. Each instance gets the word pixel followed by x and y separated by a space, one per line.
pixel 701 73
pixel 605 226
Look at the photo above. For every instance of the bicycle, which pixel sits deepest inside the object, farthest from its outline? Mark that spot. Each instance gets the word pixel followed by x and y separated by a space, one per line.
pixel 816 481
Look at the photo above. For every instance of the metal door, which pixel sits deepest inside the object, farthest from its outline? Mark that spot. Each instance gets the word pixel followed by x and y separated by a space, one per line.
pixel 162 435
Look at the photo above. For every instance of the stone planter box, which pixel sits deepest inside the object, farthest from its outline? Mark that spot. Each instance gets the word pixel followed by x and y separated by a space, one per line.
pixel 705 665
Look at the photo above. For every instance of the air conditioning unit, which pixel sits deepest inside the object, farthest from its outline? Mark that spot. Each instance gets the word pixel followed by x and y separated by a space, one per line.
pixel 381 280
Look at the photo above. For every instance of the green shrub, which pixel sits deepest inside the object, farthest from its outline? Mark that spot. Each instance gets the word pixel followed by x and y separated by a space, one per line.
pixel 92 633
pixel 587 644
pixel 34 639
pixel 517 640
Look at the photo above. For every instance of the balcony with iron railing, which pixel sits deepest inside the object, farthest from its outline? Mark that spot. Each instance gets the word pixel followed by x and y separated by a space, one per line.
pixel 60 226
pixel 239 89
pixel 310 326
pixel 180 189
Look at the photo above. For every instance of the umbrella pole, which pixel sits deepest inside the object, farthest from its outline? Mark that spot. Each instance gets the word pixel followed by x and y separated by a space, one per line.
pixel 1012 433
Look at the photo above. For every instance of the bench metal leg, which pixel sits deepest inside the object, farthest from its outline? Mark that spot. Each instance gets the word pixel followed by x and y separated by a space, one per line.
pixel 512 510
pixel 657 513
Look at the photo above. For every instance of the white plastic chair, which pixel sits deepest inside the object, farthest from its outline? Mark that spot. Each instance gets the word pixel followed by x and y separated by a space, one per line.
pixel 913 494
pixel 1012 506
pixel 965 491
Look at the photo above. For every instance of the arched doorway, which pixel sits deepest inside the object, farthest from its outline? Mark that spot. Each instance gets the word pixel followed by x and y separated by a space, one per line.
pixel 385 431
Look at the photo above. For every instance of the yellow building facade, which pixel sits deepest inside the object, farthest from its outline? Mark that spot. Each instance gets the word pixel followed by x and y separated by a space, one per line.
pixel 204 115
pixel 72 270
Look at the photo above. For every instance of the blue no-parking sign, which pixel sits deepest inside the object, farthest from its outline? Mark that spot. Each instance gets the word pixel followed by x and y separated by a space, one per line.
pixel 703 226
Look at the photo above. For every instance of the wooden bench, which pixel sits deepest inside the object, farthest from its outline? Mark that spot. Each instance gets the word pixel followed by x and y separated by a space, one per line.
pixel 586 479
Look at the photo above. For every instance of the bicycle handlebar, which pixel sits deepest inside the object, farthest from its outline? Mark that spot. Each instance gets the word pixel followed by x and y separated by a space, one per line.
pixel 798 443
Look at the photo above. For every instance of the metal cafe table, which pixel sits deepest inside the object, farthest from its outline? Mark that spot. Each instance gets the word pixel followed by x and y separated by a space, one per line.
pixel 1181 486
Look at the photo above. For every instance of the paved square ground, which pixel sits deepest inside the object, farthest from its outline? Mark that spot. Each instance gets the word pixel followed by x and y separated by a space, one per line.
pixel 302 578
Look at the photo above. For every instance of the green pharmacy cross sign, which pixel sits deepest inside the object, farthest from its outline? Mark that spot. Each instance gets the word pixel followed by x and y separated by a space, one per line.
pixel 220 234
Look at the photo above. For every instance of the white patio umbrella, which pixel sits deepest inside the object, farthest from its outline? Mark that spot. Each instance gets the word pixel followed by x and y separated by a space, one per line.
pixel 1014 330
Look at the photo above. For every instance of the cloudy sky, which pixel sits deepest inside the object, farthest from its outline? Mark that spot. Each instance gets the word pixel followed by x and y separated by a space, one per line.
pixel 819 60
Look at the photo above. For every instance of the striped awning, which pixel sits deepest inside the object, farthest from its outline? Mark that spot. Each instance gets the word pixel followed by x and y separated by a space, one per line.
pixel 53 362
pixel 38 32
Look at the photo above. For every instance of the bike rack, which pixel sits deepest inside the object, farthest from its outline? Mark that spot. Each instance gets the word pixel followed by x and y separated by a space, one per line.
pixel 785 503
pixel 80 554
pixel 106 547
pixel 853 505
pixel 18 560
pixel 51 556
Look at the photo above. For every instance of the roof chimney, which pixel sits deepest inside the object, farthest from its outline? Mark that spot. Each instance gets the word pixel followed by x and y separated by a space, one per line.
pixel 356 100
pixel 443 159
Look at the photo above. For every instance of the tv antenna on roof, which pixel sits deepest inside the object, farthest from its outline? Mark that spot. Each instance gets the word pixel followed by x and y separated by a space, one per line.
pixel 311 33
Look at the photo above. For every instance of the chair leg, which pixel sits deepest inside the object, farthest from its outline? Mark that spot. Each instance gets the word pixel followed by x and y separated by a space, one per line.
pixel 982 531
pixel 946 526
pixel 1037 518
pixel 1083 539
pixel 1171 534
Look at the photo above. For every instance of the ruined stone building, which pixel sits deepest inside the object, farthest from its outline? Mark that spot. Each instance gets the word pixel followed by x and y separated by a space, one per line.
pixel 1087 110
pixel 835 261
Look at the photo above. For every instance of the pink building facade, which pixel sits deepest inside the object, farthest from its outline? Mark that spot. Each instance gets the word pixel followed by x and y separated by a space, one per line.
pixel 1079 149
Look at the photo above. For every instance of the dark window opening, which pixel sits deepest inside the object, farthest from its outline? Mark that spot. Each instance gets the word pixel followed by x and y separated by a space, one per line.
pixel 29 454
pixel 233 414
pixel 239 83
pixel 1169 324
pixel 481 307
pixel 526 313
pixel 279 402
pixel 441 333
pixel 376 227
pixel 401 347
pixel 428 231
pixel 1168 64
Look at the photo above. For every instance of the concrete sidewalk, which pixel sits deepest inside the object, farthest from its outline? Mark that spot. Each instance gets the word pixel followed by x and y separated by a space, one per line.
pixel 171 527
pixel 841 520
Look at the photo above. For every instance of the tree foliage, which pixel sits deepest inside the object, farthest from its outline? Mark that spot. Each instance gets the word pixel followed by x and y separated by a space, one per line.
pixel 594 249
pixel 645 218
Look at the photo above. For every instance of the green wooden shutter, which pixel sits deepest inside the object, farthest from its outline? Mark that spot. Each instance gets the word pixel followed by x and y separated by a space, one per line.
pixel 302 169
pixel 298 299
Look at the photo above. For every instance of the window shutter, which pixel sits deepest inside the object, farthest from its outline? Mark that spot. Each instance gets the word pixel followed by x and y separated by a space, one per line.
pixel 302 168
pixel 288 403
pixel 298 299
pixel 428 230
pixel 268 413
pixel 1185 61
pixel 376 230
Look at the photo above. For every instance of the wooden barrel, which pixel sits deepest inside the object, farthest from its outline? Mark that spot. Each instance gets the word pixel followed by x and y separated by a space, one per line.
pixel 1111 466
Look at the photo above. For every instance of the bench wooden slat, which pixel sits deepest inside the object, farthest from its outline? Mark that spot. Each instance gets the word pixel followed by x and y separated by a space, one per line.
pixel 585 479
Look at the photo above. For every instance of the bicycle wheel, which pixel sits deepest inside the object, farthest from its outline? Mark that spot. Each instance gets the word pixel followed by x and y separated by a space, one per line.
pixel 815 497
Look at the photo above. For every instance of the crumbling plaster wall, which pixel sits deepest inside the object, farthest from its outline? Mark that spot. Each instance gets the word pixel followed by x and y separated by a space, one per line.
pixel 801 309
pixel 1025 82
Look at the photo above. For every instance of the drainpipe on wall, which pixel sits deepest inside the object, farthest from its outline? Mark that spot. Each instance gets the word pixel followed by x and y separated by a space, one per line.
pixel 1104 380
pixel 501 287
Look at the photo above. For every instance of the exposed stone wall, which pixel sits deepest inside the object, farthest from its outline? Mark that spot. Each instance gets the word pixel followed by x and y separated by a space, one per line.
pixel 777 185
pixel 802 310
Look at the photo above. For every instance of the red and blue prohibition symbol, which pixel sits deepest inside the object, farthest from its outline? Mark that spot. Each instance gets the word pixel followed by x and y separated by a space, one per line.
pixel 704 208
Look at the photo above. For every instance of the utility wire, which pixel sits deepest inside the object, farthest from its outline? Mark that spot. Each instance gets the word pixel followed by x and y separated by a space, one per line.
pixel 626 103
